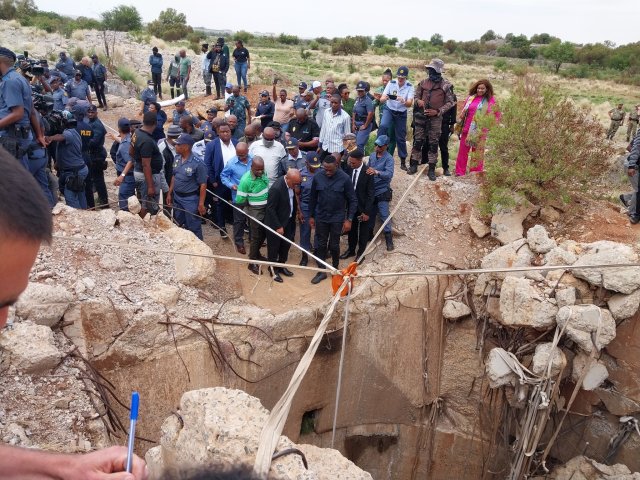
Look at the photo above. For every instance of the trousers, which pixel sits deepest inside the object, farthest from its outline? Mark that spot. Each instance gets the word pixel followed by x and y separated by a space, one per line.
pixel 380 207
pixel 206 76
pixel 463 158
pixel 328 238
pixel 98 86
pixel 613 128
pixel 358 235
pixel 362 136
pixel 258 233
pixel 443 144
pixel 305 229
pixel 185 212
pixel 38 168
pixel 428 130
pixel 184 80
pixel 74 199
pixel 126 189
pixel 219 79
pixel 277 248
pixel 632 128
pixel 241 73
pixel 96 170
pixel 157 83
pixel 396 121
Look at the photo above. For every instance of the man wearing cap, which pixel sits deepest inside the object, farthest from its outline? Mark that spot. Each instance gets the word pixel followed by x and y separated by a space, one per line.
pixel 186 124
pixel 298 100
pixel 349 145
pixel 281 213
pixel 148 163
pixel 124 165
pixel 173 75
pixel 265 109
pixel 362 117
pixel 433 98
pixel 305 130
pixel 168 150
pixel 335 125
pixel 294 158
pixel 271 152
pixel 66 65
pixel 307 172
pixel 228 91
pixel 180 112
pixel 380 167
pixel 148 96
pixel 363 186
pixel 188 187
pixel 231 175
pixel 77 87
pixel 100 76
pixel 398 96
pixel 206 126
pixel 332 205
pixel 156 61
pixel 185 72
pixel 206 68
pixel 322 102
pixel 60 97
pixel 239 106
pixel 279 136
pixel 98 155
pixel 218 65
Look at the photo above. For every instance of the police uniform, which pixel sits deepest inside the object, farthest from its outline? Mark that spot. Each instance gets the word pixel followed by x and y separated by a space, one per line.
pixel 38 161
pixel 361 109
pixel 305 195
pixel 128 186
pixel 66 66
pixel 187 177
pixel 177 116
pixel 98 156
pixel 15 92
pixel 71 165
pixel 395 115
pixel 84 129
pixel 77 89
pixel 60 99
pixel 239 109
pixel 617 118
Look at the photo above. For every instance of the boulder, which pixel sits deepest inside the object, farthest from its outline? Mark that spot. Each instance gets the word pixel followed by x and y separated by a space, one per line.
pixel 596 372
pixel 221 427
pixel 617 403
pixel 166 295
pixel 559 256
pixel 133 204
pixel 539 241
pixel 516 254
pixel 107 217
pixel 566 297
pixel 506 225
pixel 478 227
pixel 43 304
pixel 454 310
pixel 544 353
pixel 521 305
pixel 584 468
pixel 29 347
pixel 128 218
pixel 586 324
pixel 624 306
pixel 195 271
pixel 549 215
pixel 624 280
pixel 498 370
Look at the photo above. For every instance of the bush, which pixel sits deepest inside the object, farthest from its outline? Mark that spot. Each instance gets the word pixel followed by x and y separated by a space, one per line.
pixel 243 36
pixel 77 54
pixel 314 45
pixel 546 148
pixel 288 39
pixel 122 18
pixel 350 45
pixel 127 74
pixel 500 65
pixel 304 55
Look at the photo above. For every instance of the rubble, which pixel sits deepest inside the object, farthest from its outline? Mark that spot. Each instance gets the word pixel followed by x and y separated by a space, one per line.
pixel 43 304
pixel 516 254
pixel 587 325
pixel 506 225
pixel 623 280
pixel 596 373
pixel 478 227
pixel 544 353
pixel 539 241
pixel 624 306
pixel 584 468
pixel 29 347
pixel 522 305
pixel 454 310
pixel 498 370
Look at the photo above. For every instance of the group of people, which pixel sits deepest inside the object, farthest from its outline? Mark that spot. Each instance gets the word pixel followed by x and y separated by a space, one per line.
pixel 618 115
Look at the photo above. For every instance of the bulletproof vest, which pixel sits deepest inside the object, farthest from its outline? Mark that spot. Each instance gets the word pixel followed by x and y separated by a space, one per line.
pixel 433 94
pixel 84 129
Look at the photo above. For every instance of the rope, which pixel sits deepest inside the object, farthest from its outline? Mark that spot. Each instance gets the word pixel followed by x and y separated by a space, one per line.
pixel 274 425
pixel 344 347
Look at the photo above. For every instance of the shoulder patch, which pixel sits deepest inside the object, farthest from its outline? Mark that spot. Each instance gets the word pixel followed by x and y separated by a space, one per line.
pixel 409 83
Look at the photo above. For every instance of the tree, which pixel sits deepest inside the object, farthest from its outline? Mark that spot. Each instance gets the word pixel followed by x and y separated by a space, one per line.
pixel 558 53
pixel 436 40
pixel 450 46
pixel 170 25
pixel 123 18
pixel 488 36
pixel 543 38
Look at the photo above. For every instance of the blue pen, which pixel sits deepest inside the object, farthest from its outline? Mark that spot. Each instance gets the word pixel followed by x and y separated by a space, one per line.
pixel 135 402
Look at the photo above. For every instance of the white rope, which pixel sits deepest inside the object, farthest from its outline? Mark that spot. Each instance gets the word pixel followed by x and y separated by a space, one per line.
pixel 274 425
pixel 344 347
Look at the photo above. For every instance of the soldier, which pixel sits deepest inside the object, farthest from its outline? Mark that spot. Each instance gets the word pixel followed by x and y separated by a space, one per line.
pixel 448 122
pixel 617 119
pixel 632 123
pixel 434 98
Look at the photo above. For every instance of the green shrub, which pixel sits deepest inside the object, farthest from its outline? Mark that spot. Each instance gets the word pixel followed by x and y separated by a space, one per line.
pixel 546 148
pixel 77 54
pixel 243 36
pixel 288 39
pixel 500 65
pixel 127 74
pixel 314 45
pixel 304 55
pixel 350 45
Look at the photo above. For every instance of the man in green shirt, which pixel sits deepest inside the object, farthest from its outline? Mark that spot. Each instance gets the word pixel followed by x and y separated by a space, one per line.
pixel 252 194
pixel 185 72
pixel 239 106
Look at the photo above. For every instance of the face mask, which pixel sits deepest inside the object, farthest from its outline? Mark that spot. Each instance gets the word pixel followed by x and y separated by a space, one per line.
pixel 251 139
pixel 434 76
pixel 267 143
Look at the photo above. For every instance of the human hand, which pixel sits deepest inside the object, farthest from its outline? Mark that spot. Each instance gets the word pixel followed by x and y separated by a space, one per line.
pixel 363 128
pixel 42 141
pixel 151 191
pixel 312 222
pixel 169 200
pixel 430 112
pixel 631 172
pixel 421 103
pixel 300 217
pixel 107 464
pixel 364 217
pixel 346 226
pixel 202 209
pixel 118 181
pixel 280 230
pixel 371 171
pixel 234 187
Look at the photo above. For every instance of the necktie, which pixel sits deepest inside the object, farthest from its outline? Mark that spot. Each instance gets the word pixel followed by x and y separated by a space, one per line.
pixel 355 178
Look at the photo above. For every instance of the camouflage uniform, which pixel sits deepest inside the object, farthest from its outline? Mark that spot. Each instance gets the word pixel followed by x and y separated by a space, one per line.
pixel 632 124
pixel 617 117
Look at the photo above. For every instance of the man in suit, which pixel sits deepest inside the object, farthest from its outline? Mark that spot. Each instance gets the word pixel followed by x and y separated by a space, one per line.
pixel 364 188
pixel 282 207
pixel 217 154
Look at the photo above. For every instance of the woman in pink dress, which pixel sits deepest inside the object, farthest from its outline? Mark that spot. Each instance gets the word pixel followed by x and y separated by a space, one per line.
pixel 479 101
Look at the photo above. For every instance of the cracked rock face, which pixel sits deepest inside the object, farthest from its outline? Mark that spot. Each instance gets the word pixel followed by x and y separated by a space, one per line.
pixel 521 305
pixel 588 325
pixel 623 280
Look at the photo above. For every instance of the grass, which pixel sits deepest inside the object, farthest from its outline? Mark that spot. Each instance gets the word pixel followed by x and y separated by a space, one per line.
pixel 128 74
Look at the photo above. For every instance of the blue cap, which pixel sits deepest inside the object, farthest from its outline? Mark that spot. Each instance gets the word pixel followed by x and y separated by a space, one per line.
pixel 382 140
pixel 402 72
pixel 313 159
pixel 5 52
pixel 361 86
pixel 229 85
pixel 209 135
pixel 181 103
pixel 185 139
pixel 302 85
pixel 291 143
pixel 124 122
pixel 92 108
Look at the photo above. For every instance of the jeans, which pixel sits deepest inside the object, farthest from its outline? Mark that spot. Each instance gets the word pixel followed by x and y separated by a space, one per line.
pixel 380 207
pixel 187 219
pixel 74 199
pixel 397 121
pixel 150 204
pixel 38 168
pixel 184 80
pixel 241 73
pixel 126 189
pixel 328 233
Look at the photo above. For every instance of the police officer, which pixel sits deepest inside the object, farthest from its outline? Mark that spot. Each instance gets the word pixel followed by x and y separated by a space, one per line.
pixel 77 87
pixel 79 111
pixel 312 164
pixel 434 98
pixel 38 161
pixel 362 116
pixel 207 126
pixel 398 96
pixel 124 165
pixel 188 187
pixel 66 65
pixel 180 112
pixel 148 96
pixel 448 122
pixel 60 97
pixel 98 155
pixel 298 100
pixel 100 76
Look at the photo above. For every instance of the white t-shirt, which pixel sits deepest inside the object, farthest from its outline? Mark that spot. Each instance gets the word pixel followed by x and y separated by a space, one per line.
pixel 228 151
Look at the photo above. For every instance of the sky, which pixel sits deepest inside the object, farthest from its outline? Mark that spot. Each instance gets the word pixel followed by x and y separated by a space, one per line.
pixel 578 21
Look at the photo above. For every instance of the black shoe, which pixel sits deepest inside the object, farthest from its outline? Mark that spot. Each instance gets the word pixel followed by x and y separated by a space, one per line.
pixel 261 257
pixel 413 168
pixel 624 202
pixel 253 268
pixel 347 254
pixel 318 278
pixel 389 239
pixel 304 260
pixel 447 173
pixel 285 271
pixel 275 275
pixel 633 219
pixel 432 173
pixel 403 164
pixel 223 233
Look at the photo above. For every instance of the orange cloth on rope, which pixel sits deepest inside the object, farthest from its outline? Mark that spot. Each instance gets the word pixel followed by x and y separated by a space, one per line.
pixel 336 280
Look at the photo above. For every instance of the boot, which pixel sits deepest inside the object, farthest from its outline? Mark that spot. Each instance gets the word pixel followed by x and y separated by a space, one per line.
pixel 208 88
pixel 389 239
pixel 178 92
pixel 304 260
pixel 413 167
pixel 173 93
pixel 432 172
pixel 403 164
pixel 447 173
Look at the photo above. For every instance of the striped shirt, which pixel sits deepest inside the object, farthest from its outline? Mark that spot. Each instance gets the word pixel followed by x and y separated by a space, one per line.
pixel 334 127
pixel 253 190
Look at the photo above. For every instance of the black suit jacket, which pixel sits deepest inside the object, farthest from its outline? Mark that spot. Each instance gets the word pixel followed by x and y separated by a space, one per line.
pixel 278 210
pixel 364 190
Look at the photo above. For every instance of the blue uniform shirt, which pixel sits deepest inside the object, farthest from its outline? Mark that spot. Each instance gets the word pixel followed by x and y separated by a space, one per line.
pixel 384 165
pixel 189 175
pixel 300 102
pixel 69 152
pixel 77 89
pixel 99 71
pixel 361 109
pixel 86 134
pixel 305 186
pixel 148 96
pixel 60 99
pixel 66 66
pixel 393 88
pixel 122 155
pixel 15 92
pixel 98 133
pixel 177 116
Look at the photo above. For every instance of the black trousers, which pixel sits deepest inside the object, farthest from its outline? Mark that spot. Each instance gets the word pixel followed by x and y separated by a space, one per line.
pixel 157 83
pixel 358 235
pixel 277 248
pixel 96 172
pixel 219 80
pixel 443 143
pixel 98 86
pixel 329 233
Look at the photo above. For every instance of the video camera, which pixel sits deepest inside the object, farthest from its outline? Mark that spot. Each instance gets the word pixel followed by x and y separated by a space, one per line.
pixel 31 66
